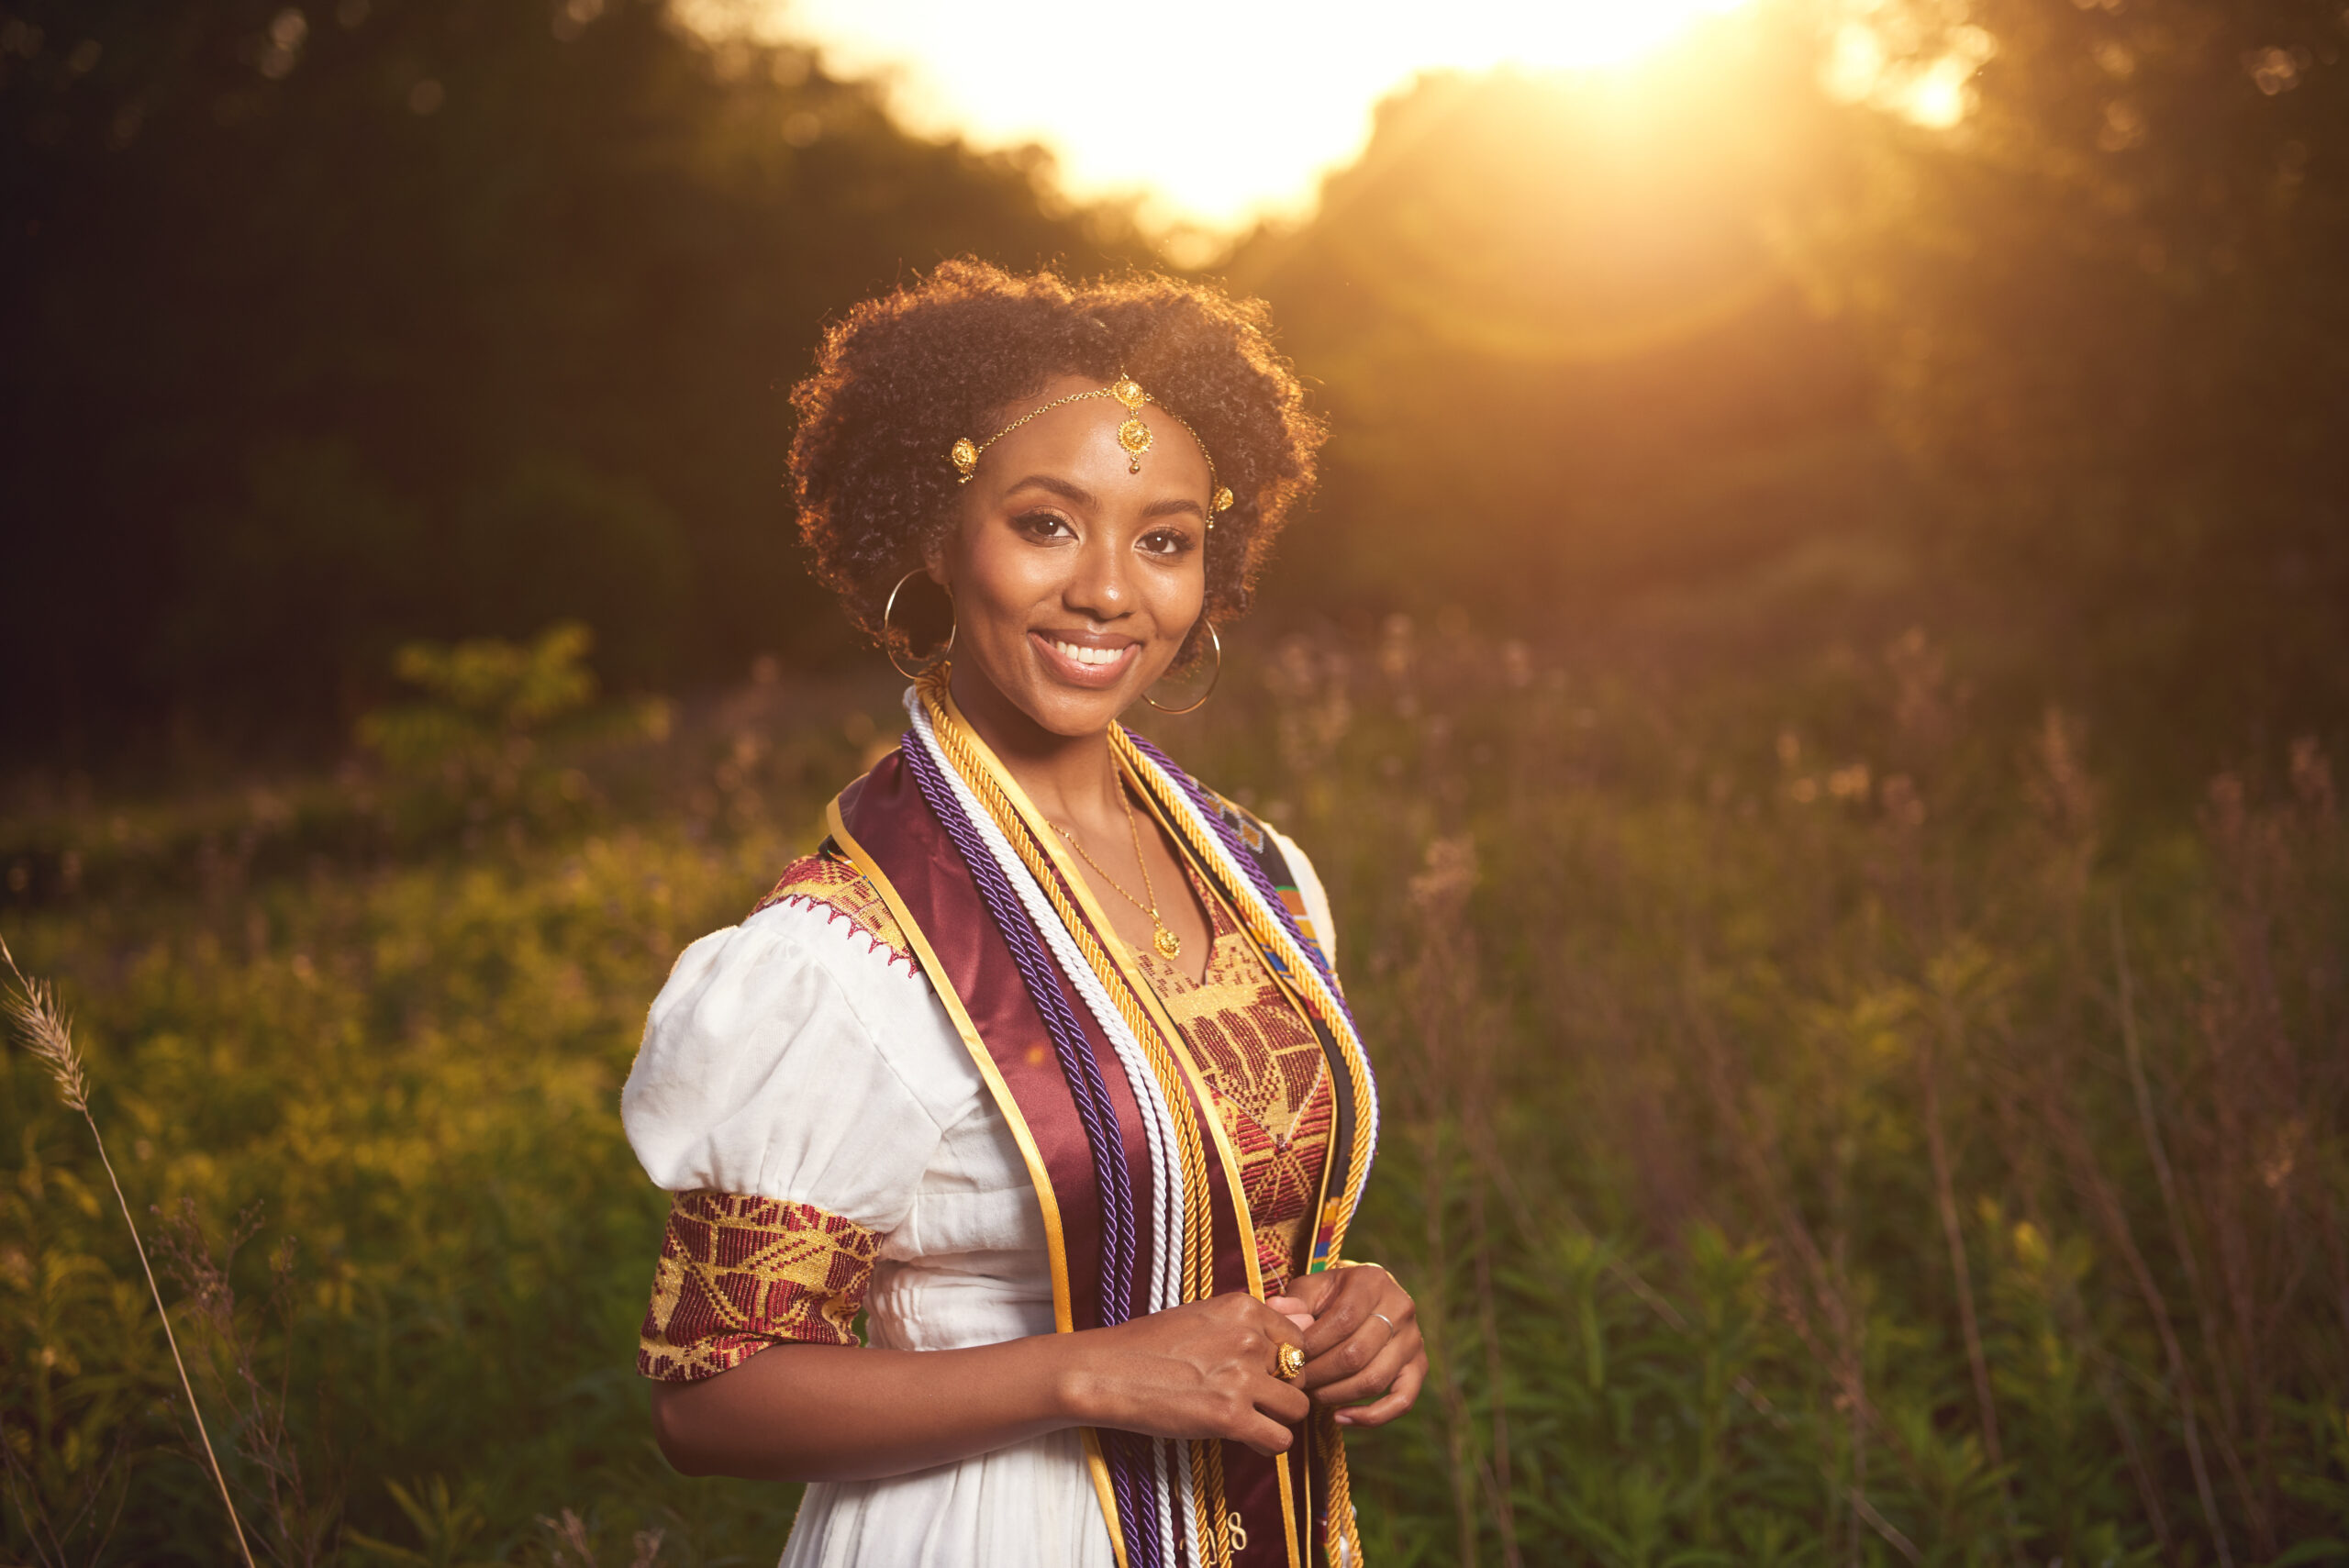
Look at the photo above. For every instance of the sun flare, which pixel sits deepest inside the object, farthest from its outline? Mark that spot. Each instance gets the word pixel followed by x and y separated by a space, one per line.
pixel 1215 112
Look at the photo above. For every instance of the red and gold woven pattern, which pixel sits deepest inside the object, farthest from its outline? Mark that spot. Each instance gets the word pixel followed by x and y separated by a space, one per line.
pixel 1265 1067
pixel 740 1273
pixel 821 882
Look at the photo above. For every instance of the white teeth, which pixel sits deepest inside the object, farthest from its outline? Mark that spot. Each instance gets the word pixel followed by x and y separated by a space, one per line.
pixel 1089 655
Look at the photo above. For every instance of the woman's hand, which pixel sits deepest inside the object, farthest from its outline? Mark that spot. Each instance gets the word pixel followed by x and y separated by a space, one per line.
pixel 1200 1370
pixel 1364 1343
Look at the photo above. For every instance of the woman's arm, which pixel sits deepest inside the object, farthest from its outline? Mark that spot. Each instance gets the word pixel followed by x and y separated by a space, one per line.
pixel 837 1413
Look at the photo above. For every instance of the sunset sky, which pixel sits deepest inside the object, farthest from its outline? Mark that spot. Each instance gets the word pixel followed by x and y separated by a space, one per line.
pixel 1217 110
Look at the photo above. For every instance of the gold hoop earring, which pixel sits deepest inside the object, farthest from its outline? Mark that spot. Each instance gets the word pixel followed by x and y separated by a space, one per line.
pixel 1214 641
pixel 890 609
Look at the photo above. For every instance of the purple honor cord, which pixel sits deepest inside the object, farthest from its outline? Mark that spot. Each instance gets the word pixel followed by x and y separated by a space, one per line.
pixel 1094 1109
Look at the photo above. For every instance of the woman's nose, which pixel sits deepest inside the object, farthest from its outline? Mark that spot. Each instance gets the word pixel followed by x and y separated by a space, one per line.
pixel 1097 585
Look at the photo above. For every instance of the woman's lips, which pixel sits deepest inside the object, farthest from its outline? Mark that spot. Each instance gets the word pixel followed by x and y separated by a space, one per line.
pixel 1081 664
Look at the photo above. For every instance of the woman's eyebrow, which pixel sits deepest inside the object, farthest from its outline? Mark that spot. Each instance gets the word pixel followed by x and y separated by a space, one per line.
pixel 1171 506
pixel 1057 486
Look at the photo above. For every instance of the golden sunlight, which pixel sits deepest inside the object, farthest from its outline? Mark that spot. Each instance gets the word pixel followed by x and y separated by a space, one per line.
pixel 1214 112
pixel 1931 85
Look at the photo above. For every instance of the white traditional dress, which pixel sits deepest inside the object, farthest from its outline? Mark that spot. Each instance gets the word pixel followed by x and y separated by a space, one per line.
pixel 834 1144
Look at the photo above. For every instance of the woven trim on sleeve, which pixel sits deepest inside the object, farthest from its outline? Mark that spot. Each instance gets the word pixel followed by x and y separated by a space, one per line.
pixel 738 1275
pixel 832 885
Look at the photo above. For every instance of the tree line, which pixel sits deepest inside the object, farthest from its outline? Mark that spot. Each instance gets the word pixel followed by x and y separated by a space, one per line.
pixel 330 327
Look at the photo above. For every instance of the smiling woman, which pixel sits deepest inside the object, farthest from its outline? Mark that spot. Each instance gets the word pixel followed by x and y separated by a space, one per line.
pixel 1078 573
pixel 1041 1061
pixel 971 350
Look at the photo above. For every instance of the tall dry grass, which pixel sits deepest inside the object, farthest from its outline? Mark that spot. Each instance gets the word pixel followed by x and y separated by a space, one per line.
pixel 48 1034
pixel 1962 1166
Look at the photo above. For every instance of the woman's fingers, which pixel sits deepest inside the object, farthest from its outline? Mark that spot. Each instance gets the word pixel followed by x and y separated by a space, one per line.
pixel 1278 1330
pixel 1348 1358
pixel 1364 1342
pixel 1357 1331
pixel 1354 1326
pixel 1311 1293
pixel 1262 1417
pixel 1278 1399
pixel 1274 1320
pixel 1367 1366
pixel 1285 1402
pixel 1396 1399
pixel 1266 1436
pixel 1293 1310
pixel 1347 1304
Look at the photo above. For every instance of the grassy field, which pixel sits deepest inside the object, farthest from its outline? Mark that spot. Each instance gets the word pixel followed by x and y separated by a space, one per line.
pixel 1817 1130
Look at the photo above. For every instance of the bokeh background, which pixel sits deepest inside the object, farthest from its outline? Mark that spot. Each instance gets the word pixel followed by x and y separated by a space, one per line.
pixel 1812 677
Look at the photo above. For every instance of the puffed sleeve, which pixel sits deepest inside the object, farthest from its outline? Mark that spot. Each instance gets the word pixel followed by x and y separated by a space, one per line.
pixel 774 1098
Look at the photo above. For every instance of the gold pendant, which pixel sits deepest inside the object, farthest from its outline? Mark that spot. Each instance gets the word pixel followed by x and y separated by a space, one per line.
pixel 1168 944
pixel 1134 436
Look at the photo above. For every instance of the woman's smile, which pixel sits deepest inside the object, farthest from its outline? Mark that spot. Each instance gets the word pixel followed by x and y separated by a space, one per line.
pixel 1090 659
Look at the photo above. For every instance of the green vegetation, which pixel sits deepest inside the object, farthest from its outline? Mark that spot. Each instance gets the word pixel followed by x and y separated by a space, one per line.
pixel 1811 1128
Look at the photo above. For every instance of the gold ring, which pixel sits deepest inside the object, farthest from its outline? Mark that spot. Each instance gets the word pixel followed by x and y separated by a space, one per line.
pixel 1289 1363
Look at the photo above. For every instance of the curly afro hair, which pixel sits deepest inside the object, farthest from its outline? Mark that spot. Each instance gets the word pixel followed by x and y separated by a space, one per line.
pixel 902 376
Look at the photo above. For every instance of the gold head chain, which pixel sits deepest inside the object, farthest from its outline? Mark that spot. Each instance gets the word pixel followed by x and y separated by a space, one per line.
pixel 1134 436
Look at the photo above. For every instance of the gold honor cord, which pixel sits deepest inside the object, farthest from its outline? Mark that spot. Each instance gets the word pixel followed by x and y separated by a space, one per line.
pixel 1198 1241
pixel 1345 1543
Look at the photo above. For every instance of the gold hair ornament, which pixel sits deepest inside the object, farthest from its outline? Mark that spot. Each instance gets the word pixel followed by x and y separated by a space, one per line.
pixel 1134 435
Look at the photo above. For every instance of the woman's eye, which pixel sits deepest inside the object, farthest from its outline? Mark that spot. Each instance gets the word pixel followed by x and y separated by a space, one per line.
pixel 1043 525
pixel 1166 541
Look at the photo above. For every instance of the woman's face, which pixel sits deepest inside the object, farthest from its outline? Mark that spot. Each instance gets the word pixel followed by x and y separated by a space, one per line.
pixel 1075 582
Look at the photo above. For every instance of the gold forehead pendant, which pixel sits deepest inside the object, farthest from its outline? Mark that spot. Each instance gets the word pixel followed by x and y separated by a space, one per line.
pixel 1134 436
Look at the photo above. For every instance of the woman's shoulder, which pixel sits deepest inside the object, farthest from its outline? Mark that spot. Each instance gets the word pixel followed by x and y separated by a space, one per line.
pixel 810 1014
pixel 826 883
pixel 822 928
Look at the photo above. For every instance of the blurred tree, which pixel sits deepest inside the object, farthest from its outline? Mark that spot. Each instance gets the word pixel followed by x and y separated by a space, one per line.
pixel 2105 306
pixel 1565 357
pixel 321 329
pixel 326 325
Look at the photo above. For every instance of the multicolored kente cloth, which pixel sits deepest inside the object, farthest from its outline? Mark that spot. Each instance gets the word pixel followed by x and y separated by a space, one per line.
pixel 1271 1082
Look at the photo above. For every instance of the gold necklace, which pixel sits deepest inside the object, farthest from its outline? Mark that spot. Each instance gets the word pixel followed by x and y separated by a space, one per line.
pixel 1168 944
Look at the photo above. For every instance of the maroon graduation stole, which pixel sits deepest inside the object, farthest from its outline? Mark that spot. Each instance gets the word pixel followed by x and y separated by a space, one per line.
pixel 1113 1120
